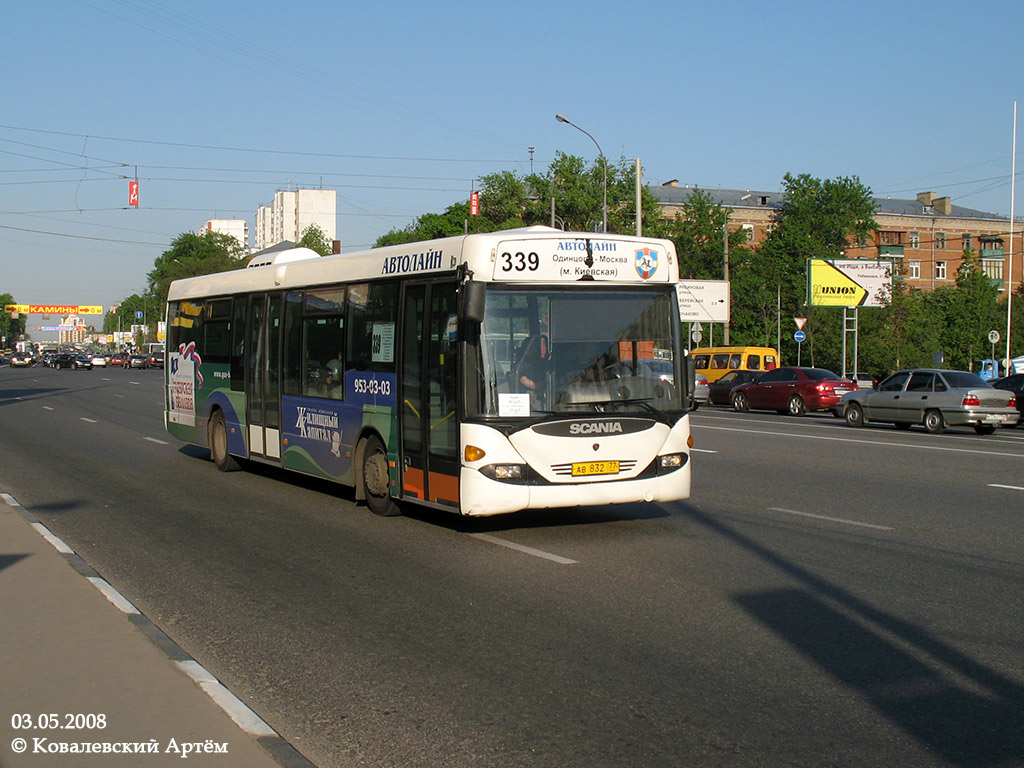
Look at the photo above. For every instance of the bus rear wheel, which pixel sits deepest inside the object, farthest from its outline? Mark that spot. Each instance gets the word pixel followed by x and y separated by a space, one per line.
pixel 218 438
pixel 377 479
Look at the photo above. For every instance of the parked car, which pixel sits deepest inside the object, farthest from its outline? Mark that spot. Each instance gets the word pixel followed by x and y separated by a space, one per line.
pixel 936 399
pixel 720 392
pixel 700 391
pixel 793 390
pixel 136 361
pixel 21 360
pixel 864 380
pixel 1013 383
pixel 119 358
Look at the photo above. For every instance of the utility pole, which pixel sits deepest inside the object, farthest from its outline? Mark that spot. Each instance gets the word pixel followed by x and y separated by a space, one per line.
pixel 725 239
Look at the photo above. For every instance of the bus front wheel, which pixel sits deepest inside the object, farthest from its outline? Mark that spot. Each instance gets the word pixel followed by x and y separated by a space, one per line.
pixel 218 435
pixel 377 479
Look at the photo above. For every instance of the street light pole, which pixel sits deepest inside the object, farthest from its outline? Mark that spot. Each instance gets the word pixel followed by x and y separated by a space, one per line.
pixel 604 167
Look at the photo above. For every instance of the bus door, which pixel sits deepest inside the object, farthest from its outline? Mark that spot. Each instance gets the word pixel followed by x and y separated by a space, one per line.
pixel 429 393
pixel 263 381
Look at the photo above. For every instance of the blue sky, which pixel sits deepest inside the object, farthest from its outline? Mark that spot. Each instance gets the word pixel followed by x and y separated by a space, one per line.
pixel 400 105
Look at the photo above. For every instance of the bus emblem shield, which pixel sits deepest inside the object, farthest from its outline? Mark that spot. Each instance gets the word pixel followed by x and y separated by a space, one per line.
pixel 646 263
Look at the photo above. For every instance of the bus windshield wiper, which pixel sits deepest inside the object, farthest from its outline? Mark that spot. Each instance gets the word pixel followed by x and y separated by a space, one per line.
pixel 643 402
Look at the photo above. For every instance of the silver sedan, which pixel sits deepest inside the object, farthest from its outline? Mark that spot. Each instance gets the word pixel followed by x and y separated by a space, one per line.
pixel 933 398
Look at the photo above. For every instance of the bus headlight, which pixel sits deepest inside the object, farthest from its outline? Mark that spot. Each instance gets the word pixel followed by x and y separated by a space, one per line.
pixel 671 461
pixel 508 471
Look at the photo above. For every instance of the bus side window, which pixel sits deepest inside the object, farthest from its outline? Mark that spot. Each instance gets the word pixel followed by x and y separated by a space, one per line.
pixel 719 362
pixel 754 362
pixel 769 362
pixel 701 362
pixel 736 361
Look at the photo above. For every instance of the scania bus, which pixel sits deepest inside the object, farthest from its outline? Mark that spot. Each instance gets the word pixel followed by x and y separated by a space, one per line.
pixel 482 374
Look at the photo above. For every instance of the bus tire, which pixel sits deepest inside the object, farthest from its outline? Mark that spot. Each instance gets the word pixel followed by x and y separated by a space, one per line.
pixel 376 480
pixel 218 439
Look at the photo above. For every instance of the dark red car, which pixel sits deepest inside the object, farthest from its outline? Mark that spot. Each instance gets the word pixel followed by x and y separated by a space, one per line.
pixel 792 390
pixel 119 358
pixel 720 392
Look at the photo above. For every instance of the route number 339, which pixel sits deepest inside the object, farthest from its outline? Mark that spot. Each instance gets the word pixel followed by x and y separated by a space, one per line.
pixel 519 262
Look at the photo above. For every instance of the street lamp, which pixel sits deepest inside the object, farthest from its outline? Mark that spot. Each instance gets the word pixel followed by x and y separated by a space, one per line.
pixel 604 167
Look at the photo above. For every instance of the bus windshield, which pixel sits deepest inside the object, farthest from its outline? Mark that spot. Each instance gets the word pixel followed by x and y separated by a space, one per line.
pixel 576 351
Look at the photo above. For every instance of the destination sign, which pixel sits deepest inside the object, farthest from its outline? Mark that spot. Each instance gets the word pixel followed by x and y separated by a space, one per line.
pixel 579 258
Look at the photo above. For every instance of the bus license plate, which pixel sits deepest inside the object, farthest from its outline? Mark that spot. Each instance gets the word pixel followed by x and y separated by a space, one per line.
pixel 595 468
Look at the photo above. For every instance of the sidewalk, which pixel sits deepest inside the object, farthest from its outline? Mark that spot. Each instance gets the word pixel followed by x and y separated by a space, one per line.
pixel 85 680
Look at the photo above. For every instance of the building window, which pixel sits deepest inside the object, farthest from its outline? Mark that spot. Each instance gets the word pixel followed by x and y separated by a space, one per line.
pixel 940 241
pixel 993 268
pixel 915 239
pixel 914 270
pixel 890 238
pixel 748 231
pixel 965 240
pixel 940 270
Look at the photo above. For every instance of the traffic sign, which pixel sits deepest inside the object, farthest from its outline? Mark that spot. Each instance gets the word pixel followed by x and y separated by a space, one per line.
pixel 993 337
pixel 800 336
pixel 800 321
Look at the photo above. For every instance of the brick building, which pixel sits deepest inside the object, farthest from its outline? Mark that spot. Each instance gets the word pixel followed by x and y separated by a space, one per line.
pixel 926 236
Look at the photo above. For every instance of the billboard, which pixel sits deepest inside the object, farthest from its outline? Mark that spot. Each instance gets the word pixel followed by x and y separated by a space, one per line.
pixel 849 282
pixel 54 309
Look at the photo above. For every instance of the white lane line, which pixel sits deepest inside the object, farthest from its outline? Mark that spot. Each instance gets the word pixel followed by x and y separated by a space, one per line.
pixel 91 421
pixel 831 519
pixel 1009 487
pixel 701 450
pixel 47 408
pixel 154 440
pixel 885 443
pixel 521 548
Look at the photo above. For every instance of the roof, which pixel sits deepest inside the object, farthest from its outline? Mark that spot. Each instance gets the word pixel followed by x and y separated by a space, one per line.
pixel 750 198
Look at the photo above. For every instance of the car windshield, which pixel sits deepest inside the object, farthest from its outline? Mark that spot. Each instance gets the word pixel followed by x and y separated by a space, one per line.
pixel 576 351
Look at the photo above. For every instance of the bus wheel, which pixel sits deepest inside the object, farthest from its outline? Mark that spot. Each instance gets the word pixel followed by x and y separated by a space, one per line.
pixel 218 438
pixel 376 480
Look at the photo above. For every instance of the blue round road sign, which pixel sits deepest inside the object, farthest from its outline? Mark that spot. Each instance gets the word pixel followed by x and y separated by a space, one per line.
pixel 800 336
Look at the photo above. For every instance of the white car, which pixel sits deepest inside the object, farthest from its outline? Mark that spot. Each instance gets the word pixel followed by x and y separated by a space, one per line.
pixel 99 361
pixel 700 391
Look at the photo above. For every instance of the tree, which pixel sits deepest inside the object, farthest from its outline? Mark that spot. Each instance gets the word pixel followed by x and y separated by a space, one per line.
pixel 191 255
pixel 817 219
pixel 11 328
pixel 315 239
pixel 699 235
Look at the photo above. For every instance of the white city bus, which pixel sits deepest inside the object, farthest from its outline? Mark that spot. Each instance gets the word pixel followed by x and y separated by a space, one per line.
pixel 481 374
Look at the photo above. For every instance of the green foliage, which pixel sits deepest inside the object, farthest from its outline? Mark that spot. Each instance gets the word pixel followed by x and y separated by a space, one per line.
pixel 315 239
pixel 699 235
pixel 11 328
pixel 191 255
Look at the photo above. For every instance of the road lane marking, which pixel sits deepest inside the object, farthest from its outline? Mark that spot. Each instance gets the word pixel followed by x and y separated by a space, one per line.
pixel 887 444
pixel 701 450
pixel 521 548
pixel 47 408
pixel 1009 487
pixel 154 440
pixel 832 519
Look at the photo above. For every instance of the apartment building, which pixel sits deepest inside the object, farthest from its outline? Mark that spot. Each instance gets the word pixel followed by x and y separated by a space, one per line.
pixel 291 212
pixel 925 236
pixel 236 228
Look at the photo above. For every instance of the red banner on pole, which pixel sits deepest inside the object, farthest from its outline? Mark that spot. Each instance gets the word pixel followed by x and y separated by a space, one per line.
pixel 133 193
pixel 474 203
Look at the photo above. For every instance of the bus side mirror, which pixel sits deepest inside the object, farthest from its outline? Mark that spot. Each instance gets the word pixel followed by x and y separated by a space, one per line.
pixel 690 375
pixel 473 294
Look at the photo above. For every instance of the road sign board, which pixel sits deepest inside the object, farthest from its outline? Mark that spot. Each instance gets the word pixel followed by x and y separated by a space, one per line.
pixel 800 322
pixel 993 337
pixel 703 301
pixel 800 336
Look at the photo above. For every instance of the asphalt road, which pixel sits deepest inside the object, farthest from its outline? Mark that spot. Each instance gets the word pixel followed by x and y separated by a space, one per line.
pixel 828 597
